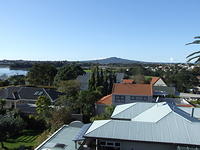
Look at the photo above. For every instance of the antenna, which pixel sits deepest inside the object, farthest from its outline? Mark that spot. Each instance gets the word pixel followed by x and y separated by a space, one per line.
pixel 157 99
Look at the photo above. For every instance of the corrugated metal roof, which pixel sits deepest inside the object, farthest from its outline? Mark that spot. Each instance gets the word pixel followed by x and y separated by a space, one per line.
pixel 64 137
pixel 121 108
pixel 173 126
pixel 82 131
pixel 189 111
pixel 154 114
pixel 132 111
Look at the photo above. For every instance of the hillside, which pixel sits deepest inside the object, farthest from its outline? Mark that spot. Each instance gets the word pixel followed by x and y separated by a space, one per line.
pixel 112 60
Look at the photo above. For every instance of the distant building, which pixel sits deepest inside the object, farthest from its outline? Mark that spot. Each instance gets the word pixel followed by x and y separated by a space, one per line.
pixel 84 80
pixel 24 98
pixel 157 81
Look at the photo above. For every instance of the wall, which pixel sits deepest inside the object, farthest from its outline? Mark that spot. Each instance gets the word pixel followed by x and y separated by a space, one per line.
pixel 131 145
pixel 146 146
pixel 160 82
pixel 99 108
pixel 128 99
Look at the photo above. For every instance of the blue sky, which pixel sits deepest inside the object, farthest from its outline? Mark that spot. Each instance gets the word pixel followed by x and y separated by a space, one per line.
pixel 146 30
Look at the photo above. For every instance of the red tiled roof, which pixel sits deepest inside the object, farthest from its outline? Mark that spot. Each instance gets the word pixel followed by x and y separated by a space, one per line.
pixel 185 105
pixel 127 81
pixel 154 80
pixel 107 100
pixel 132 89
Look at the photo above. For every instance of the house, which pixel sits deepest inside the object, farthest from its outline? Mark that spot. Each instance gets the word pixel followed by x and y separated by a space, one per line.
pixel 65 138
pixel 84 80
pixel 128 93
pixel 128 81
pixel 24 98
pixel 123 93
pixel 157 81
pixel 146 126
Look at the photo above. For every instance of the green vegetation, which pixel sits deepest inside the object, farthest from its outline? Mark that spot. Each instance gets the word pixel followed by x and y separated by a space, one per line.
pixel 26 139
pixel 106 115
pixel 41 74
pixel 102 80
pixel 196 103
pixel 10 125
pixel 88 70
pixel 68 72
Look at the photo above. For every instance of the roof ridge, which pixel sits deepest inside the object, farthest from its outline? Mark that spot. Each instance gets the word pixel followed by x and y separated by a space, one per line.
pixel 187 115
pixel 107 121
pixel 165 111
pixel 47 94
pixel 131 105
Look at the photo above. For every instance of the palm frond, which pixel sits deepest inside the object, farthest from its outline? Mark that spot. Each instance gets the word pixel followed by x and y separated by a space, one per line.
pixel 194 58
pixel 194 42
pixel 193 54
pixel 198 60
pixel 197 37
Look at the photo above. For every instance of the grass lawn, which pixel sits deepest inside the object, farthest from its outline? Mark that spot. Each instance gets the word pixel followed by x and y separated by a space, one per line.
pixel 27 139
pixel 88 70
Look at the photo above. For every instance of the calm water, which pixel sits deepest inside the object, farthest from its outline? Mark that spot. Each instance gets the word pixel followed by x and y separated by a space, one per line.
pixel 6 72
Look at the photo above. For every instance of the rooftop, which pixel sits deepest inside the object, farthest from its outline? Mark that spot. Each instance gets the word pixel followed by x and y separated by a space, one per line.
pixel 150 122
pixel 129 81
pixel 154 80
pixel 107 100
pixel 132 89
pixel 63 138
pixel 31 93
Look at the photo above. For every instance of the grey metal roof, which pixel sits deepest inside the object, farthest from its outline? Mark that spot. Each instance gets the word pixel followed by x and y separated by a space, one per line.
pixel 82 131
pixel 32 93
pixel 129 111
pixel 173 126
pixel 63 137
pixel 189 111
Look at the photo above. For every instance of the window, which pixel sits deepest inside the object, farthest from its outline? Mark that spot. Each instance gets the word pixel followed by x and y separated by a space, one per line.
pixel 145 98
pixel 120 98
pixel 102 143
pixel 117 144
pixel 141 98
pixel 109 144
pixel 133 98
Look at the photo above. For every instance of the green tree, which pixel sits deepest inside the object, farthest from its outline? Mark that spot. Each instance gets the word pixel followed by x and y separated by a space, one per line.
pixel 106 115
pixel 71 90
pixel 92 81
pixel 43 105
pixel 10 124
pixel 41 74
pixel 86 103
pixel 59 117
pixel 195 55
pixel 17 80
pixel 68 72
pixel 103 79
pixel 69 87
pixel 2 104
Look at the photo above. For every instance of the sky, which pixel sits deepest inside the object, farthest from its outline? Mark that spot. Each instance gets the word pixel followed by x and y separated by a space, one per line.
pixel 144 30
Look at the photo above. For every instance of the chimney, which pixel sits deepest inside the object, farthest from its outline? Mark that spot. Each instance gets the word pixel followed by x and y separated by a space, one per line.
pixel 192 114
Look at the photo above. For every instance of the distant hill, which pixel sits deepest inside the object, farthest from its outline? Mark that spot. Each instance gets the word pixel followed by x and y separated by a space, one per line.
pixel 112 60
